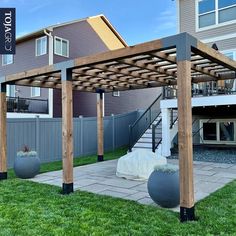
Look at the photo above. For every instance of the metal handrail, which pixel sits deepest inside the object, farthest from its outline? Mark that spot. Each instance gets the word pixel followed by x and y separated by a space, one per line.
pixel 147 110
pixel 154 145
pixel 152 116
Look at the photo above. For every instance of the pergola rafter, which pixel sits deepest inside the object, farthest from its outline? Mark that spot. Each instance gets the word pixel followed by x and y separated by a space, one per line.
pixel 177 60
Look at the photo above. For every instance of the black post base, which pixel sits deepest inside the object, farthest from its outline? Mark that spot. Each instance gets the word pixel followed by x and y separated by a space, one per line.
pixel 187 214
pixel 67 188
pixel 3 175
pixel 100 158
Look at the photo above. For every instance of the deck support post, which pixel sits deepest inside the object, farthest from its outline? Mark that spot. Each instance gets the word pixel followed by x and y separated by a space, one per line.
pixel 166 142
pixel 185 135
pixel 67 131
pixel 3 135
pixel 100 131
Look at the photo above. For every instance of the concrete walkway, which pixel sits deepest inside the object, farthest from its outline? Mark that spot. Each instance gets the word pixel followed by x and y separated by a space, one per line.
pixel 100 178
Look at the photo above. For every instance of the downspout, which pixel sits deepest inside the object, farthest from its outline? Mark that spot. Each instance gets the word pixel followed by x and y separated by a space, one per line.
pixel 50 62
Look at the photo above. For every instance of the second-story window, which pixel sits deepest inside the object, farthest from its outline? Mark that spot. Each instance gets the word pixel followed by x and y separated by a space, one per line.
pixel 7 59
pixel 35 91
pixel 61 47
pixel 215 12
pixel 41 46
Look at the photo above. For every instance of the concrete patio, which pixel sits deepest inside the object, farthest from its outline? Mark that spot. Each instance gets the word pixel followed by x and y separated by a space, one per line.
pixel 100 178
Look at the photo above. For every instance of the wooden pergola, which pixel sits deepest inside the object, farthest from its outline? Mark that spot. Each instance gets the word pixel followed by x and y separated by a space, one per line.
pixel 176 60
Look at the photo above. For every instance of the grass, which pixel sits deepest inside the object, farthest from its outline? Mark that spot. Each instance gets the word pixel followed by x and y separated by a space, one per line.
pixel 57 165
pixel 28 208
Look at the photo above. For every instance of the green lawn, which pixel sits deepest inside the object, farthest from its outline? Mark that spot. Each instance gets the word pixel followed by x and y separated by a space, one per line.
pixel 28 208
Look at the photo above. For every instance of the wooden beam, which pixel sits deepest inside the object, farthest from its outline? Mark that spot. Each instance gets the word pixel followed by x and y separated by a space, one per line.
pixel 185 140
pixel 215 56
pixel 3 135
pixel 119 53
pixel 100 126
pixel 67 136
pixel 45 70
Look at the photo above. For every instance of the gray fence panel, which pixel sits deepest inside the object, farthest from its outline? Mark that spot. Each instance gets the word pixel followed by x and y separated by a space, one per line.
pixel 77 137
pixel 89 136
pixel 20 134
pixel 122 123
pixel 107 125
pixel 45 135
pixel 50 140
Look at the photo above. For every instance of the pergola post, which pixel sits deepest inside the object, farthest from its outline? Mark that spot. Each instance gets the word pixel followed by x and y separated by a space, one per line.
pixel 3 135
pixel 100 131
pixel 185 134
pixel 67 131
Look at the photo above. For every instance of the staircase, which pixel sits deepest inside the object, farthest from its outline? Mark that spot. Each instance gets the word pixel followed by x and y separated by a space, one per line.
pixel 146 140
pixel 146 132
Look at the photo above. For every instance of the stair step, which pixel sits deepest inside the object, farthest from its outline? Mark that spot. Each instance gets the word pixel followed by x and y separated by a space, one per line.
pixel 141 148
pixel 145 141
pixel 144 145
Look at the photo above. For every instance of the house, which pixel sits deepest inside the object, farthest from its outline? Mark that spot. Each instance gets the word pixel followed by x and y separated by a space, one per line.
pixel 214 103
pixel 59 43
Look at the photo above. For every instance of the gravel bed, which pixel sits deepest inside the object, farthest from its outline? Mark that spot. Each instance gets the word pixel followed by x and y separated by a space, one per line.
pixel 219 156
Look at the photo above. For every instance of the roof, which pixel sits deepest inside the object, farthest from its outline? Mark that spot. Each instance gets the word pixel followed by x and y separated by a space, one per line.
pixel 150 64
pixel 51 27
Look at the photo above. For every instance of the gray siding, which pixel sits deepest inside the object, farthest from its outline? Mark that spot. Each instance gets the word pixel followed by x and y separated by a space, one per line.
pixel 25 59
pixel 83 40
pixel 188 24
pixel 130 100
pixel 45 135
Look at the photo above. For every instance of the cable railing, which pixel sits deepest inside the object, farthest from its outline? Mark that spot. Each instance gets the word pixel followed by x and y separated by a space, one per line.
pixel 140 126
pixel 27 105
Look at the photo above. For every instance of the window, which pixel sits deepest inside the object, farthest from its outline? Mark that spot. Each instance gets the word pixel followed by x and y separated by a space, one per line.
pixel 41 46
pixel 35 92
pixel 231 54
pixel 226 131
pixel 11 91
pixel 7 59
pixel 218 131
pixel 116 94
pixel 209 131
pixel 214 12
pixel 61 47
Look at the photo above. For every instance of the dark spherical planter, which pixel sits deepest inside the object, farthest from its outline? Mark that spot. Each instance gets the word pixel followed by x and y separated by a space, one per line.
pixel 163 188
pixel 26 167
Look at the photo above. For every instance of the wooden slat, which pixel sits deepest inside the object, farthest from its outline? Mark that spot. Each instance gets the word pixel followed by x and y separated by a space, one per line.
pixel 32 83
pixel 3 142
pixel 185 134
pixel 67 132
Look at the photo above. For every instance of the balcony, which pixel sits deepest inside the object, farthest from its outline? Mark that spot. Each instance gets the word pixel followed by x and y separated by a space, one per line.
pixel 204 89
pixel 27 105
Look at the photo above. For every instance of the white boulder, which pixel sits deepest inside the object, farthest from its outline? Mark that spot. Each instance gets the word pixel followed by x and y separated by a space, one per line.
pixel 138 164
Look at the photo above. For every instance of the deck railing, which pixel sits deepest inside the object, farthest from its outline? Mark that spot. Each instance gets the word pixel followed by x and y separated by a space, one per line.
pixel 27 105
pixel 203 89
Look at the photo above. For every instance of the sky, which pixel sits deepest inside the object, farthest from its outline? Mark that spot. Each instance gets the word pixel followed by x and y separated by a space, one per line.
pixel 136 20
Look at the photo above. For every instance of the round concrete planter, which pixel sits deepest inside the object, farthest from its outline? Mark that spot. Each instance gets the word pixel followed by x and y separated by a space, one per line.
pixel 26 167
pixel 163 186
